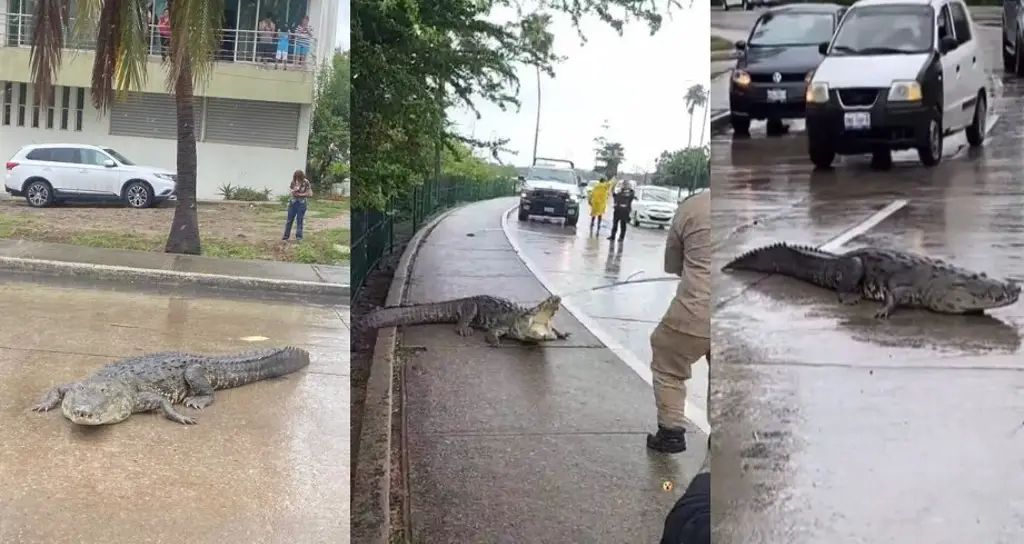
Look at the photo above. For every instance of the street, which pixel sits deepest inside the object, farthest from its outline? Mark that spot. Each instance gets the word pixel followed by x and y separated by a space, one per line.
pixel 832 426
pixel 268 462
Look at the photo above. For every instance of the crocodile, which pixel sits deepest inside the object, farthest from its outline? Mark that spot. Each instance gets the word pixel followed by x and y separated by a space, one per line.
pixel 158 381
pixel 497 317
pixel 893 277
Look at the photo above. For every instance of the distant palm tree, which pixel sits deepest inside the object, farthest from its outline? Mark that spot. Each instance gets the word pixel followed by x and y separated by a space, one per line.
pixel 122 53
pixel 696 97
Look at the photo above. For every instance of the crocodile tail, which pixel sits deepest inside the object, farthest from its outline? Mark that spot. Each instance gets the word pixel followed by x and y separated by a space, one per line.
pixel 239 369
pixel 415 314
pixel 800 262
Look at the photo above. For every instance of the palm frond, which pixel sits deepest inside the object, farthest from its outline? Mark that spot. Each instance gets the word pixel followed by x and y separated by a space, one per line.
pixel 108 44
pixel 133 49
pixel 195 35
pixel 49 18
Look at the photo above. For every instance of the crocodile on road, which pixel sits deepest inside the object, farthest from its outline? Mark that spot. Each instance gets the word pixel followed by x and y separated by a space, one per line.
pixel 158 381
pixel 893 277
pixel 497 317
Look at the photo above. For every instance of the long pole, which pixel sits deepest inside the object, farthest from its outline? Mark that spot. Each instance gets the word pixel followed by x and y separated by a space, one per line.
pixel 536 129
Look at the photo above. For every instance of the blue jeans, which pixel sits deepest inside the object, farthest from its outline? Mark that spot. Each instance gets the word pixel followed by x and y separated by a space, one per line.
pixel 296 212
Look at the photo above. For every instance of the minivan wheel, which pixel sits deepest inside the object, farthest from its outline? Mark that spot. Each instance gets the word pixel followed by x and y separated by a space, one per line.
pixel 930 149
pixel 740 125
pixel 138 195
pixel 821 156
pixel 976 132
pixel 39 194
pixel 1008 59
pixel 1018 58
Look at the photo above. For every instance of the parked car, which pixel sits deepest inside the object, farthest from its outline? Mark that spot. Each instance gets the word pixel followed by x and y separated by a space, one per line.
pixel 897 75
pixel 775 63
pixel 654 206
pixel 47 174
pixel 551 191
pixel 1013 37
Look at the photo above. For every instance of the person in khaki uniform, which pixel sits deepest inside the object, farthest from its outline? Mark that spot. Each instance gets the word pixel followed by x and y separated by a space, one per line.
pixel 684 334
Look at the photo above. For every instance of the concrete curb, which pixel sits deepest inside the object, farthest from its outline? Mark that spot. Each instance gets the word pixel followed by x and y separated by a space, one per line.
pixel 720 122
pixel 170 278
pixel 371 491
pixel 695 414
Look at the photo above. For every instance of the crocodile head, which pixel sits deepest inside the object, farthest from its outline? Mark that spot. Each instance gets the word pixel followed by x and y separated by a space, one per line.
pixel 983 293
pixel 98 403
pixel 542 318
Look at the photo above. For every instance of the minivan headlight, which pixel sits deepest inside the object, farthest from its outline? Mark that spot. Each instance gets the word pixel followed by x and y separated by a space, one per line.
pixel 817 93
pixel 905 91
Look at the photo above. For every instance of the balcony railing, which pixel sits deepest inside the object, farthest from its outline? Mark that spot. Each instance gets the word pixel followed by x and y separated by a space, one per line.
pixel 293 52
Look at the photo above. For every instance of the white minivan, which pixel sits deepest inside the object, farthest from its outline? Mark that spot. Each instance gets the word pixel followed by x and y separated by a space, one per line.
pixel 898 74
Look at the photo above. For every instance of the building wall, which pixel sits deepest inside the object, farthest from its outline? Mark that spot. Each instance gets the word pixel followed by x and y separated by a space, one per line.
pixel 144 131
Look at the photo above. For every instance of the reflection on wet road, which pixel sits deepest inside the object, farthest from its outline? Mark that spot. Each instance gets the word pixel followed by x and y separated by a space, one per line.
pixel 576 260
pixel 268 462
pixel 835 427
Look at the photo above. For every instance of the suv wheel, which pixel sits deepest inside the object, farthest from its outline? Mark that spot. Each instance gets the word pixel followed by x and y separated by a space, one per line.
pixel 740 125
pixel 821 155
pixel 39 194
pixel 976 132
pixel 1018 58
pixel 571 221
pixel 138 195
pixel 929 150
pixel 523 216
pixel 1009 59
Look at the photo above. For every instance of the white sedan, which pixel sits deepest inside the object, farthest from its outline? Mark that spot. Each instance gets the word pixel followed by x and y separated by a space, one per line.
pixel 654 206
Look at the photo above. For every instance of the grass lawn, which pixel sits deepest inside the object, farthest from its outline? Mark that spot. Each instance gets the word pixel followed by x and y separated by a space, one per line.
pixel 229 231
pixel 719 43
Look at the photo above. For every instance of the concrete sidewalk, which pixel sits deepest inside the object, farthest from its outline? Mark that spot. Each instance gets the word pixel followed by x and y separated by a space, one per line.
pixel 17 256
pixel 523 444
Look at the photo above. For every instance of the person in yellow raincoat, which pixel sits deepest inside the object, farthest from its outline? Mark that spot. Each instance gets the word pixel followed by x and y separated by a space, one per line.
pixel 598 202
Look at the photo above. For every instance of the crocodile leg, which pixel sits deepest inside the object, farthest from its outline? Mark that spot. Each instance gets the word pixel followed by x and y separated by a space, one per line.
pixel 560 335
pixel 493 338
pixel 151 402
pixel 893 298
pixel 467 312
pixel 52 398
pixel 199 386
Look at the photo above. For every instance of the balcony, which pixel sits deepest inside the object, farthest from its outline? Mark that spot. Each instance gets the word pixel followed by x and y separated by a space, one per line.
pixel 249 64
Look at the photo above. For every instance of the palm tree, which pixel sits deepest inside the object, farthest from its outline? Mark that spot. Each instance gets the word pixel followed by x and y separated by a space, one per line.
pixel 696 97
pixel 122 55
pixel 704 125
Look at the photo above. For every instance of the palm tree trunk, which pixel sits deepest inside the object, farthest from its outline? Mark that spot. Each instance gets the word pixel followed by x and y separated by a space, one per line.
pixel 704 125
pixel 184 235
pixel 689 139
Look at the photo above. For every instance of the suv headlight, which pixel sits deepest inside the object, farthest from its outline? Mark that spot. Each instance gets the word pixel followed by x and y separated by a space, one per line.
pixel 740 78
pixel 166 177
pixel 904 91
pixel 817 93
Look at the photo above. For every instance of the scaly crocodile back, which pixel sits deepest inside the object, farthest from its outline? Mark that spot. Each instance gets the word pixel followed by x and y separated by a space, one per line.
pixel 800 262
pixel 224 371
pixel 488 309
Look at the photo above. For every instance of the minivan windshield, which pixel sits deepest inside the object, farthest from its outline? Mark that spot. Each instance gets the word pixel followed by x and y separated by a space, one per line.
pixel 552 174
pixel 120 158
pixel 791 28
pixel 885 30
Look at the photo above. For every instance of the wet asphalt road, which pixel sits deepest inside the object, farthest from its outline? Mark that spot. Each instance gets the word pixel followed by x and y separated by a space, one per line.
pixel 575 260
pixel 834 427
pixel 268 462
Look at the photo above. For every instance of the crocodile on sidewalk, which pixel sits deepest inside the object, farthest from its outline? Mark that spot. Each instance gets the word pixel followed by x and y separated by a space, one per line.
pixel 158 381
pixel 497 317
pixel 896 278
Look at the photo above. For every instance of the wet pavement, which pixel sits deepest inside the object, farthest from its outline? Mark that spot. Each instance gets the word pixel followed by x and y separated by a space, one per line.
pixel 835 427
pixel 268 462
pixel 524 444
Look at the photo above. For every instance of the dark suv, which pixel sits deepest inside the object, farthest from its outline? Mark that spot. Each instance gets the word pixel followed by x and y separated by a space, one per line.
pixel 551 191
pixel 1013 37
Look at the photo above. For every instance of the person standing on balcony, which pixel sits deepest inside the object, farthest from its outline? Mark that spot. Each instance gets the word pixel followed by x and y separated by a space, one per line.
pixel 164 26
pixel 303 41
pixel 300 190
pixel 265 47
pixel 282 48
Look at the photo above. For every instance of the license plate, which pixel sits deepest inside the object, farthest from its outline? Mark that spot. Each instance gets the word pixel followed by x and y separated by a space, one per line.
pixel 860 120
pixel 549 210
pixel 776 95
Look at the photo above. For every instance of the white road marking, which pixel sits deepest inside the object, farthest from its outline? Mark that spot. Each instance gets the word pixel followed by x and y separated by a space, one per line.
pixel 253 338
pixel 864 226
pixel 697 414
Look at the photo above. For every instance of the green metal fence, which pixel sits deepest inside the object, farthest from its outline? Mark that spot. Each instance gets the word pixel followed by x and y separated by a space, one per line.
pixel 377 234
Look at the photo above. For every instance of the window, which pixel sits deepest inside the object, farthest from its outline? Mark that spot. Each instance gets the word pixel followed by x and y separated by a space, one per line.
pixel 41 154
pixel 8 99
pixel 65 106
pixel 888 29
pixel 64 154
pixel 35 108
pixel 49 110
pixel 961 26
pixel 22 92
pixel 148 115
pixel 252 123
pixel 91 156
pixel 944 25
pixel 79 108
pixel 793 28
pixel 120 158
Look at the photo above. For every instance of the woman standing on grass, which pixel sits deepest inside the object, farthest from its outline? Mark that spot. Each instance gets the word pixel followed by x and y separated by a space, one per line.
pixel 300 190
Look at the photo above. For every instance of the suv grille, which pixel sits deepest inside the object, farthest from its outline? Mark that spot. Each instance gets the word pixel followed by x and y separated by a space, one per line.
pixel 858 97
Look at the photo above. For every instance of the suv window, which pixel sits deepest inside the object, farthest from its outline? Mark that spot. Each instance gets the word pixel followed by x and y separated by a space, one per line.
pixel 961 26
pixel 91 156
pixel 40 154
pixel 63 154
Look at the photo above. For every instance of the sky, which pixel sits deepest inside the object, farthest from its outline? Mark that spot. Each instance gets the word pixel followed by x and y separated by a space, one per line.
pixel 636 82
pixel 344 22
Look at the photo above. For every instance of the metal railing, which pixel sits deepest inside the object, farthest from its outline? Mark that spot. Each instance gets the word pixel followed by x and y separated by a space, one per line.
pixel 287 50
pixel 376 234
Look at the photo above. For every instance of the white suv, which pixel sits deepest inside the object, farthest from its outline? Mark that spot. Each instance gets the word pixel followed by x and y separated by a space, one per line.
pixel 48 174
pixel 898 74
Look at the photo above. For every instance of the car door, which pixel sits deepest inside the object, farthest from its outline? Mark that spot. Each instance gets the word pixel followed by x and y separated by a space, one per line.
pixel 96 178
pixel 64 170
pixel 952 96
pixel 972 72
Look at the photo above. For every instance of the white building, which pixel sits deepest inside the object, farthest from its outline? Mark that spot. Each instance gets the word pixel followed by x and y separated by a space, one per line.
pixel 252 123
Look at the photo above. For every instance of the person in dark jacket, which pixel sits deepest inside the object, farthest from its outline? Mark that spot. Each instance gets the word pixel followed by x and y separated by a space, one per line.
pixel 622 200
pixel 689 521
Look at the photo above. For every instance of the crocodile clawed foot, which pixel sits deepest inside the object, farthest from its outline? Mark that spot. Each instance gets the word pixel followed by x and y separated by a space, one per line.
pixel 42 408
pixel 464 331
pixel 185 420
pixel 882 314
pixel 198 403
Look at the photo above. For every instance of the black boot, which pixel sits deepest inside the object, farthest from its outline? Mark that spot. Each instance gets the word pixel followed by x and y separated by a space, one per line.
pixel 667 440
